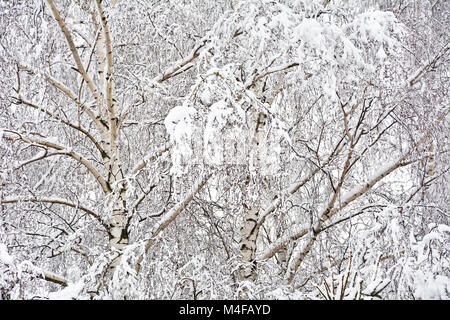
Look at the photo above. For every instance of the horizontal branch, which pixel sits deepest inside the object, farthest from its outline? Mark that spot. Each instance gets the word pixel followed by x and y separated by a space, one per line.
pixel 51 277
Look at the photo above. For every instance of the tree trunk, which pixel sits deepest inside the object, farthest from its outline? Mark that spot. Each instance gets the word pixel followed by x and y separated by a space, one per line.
pixel 251 205
pixel 249 235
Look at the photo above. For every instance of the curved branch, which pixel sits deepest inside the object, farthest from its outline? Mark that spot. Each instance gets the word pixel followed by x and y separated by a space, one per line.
pixel 64 151
pixel 57 201
pixel 78 128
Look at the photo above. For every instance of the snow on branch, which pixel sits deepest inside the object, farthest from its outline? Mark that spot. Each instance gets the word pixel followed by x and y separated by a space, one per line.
pixel 428 66
pixel 74 51
pixel 181 65
pixel 147 159
pixel 57 201
pixel 13 136
pixel 167 218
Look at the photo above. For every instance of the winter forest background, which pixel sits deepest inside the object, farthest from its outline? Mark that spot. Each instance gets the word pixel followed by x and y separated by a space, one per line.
pixel 205 149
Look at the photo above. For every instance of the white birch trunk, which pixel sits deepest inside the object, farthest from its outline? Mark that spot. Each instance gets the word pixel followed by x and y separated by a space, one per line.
pixel 251 205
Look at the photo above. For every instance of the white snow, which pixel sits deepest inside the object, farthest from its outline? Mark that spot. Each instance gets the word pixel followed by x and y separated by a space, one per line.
pixel 5 257
pixel 206 97
pixel 68 293
pixel 381 54
pixel 180 127
pixel 216 120
pixel 178 122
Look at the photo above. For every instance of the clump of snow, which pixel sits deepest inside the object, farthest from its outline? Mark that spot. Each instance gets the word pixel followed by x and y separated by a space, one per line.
pixel 206 97
pixel 216 121
pixel 68 293
pixel 5 257
pixel 178 122
pixel 374 25
pixel 180 127
pixel 381 54
pixel 430 287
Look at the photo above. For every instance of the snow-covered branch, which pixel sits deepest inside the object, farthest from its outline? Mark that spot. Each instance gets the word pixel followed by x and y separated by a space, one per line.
pixel 168 217
pixel 428 66
pixel 13 136
pixel 56 201
pixel 74 51
pixel 182 64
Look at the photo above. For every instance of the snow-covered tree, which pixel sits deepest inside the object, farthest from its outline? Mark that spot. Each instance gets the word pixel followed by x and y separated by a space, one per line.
pixel 235 149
